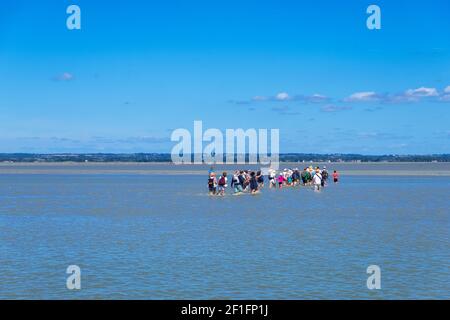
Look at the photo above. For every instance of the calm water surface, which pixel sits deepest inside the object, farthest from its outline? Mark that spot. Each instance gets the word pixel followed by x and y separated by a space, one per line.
pixel 162 237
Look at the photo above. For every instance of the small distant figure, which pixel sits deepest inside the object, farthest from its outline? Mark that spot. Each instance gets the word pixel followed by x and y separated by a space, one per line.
pixel 212 183
pixel 237 181
pixel 222 183
pixel 253 183
pixel 272 182
pixel 260 179
pixel 304 176
pixel 246 184
pixel 281 180
pixel 324 176
pixel 288 177
pixel 335 176
pixel 296 177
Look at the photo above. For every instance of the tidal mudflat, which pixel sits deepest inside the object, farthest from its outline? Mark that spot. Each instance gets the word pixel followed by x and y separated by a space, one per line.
pixel 150 231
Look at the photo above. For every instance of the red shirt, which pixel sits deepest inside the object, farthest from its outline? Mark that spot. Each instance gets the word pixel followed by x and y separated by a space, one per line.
pixel 335 175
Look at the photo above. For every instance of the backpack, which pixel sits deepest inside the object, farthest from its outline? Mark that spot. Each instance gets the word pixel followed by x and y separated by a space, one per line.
pixel 222 181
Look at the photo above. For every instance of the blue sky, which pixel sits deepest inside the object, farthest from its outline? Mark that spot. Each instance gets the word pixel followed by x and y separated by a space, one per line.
pixel 137 70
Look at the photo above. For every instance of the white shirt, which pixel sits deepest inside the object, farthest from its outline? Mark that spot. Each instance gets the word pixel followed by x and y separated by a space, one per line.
pixel 317 178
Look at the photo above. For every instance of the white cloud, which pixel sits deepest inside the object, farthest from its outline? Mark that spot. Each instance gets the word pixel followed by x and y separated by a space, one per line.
pixel 362 96
pixel 422 92
pixel 282 96
pixel 408 96
pixel 416 95
pixel 316 98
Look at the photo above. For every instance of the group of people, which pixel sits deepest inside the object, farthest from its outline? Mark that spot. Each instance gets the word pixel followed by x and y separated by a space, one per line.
pixel 241 181
pixel 253 181
pixel 309 176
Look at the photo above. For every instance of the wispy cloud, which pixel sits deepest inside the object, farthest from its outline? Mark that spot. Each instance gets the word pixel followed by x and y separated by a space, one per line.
pixel 239 102
pixel 373 109
pixel 422 92
pixel 65 76
pixel 284 97
pixel 382 135
pixel 100 139
pixel 132 140
pixel 408 96
pixel 334 108
pixel 363 97
pixel 284 110
pixel 316 98
pixel 446 96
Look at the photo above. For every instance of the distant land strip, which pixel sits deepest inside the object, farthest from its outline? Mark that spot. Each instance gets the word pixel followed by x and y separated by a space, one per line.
pixel 166 157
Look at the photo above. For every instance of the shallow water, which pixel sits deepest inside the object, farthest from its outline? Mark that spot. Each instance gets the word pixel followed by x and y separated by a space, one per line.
pixel 162 237
pixel 145 168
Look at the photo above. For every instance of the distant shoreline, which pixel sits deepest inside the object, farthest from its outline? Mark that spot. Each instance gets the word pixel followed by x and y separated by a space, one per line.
pixel 168 163
pixel 166 158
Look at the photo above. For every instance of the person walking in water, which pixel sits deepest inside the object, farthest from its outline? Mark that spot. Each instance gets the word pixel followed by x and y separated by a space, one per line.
pixel 212 183
pixel 281 179
pixel 324 176
pixel 222 184
pixel 253 183
pixel 272 175
pixel 236 182
pixel 260 179
pixel 335 176
pixel 317 179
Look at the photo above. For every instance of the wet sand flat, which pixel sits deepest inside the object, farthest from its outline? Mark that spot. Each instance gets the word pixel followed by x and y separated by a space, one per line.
pixel 349 169
pixel 144 236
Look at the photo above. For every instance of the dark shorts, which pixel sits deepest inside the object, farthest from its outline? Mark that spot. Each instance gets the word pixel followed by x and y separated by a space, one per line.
pixel 335 180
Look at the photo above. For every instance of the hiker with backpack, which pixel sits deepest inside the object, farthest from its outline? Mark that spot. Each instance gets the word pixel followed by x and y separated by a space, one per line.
pixel 317 179
pixel 222 183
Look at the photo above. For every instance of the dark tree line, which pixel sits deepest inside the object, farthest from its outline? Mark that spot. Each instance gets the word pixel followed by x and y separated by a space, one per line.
pixel 165 157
